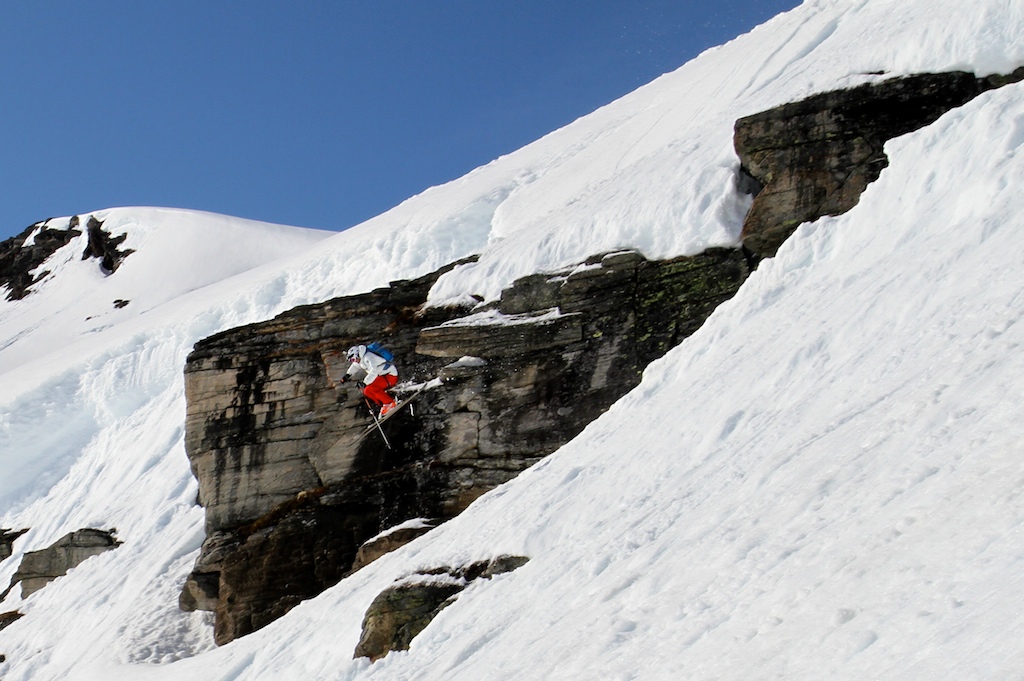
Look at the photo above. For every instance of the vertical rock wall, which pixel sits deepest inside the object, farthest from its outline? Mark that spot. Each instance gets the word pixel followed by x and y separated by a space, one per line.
pixel 815 157
pixel 292 482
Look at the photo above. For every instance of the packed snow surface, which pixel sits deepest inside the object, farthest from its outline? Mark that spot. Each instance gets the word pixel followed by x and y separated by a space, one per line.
pixel 823 482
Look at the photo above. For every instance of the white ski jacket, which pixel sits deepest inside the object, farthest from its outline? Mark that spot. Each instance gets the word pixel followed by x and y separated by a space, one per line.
pixel 373 364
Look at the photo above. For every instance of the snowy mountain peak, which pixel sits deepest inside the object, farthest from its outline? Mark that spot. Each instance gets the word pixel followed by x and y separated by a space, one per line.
pixel 68 278
pixel 180 245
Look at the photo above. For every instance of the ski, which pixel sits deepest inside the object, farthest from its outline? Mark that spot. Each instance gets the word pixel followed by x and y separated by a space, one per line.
pixel 400 404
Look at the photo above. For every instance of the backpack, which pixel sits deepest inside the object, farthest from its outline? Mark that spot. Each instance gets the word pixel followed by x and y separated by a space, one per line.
pixel 382 352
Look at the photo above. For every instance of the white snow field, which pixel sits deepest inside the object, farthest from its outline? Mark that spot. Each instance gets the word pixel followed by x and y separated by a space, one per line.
pixel 824 482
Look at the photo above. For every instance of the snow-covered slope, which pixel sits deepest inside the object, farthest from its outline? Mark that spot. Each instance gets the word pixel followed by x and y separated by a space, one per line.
pixel 820 484
pixel 175 251
pixel 71 317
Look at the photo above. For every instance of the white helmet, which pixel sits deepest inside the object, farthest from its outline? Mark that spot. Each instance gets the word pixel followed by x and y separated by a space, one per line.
pixel 356 352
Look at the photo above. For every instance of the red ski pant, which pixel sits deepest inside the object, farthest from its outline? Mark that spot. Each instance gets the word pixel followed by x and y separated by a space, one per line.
pixel 377 393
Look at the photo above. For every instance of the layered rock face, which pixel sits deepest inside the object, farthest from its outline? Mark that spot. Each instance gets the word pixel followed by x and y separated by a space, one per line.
pixel 815 157
pixel 292 482
pixel 39 568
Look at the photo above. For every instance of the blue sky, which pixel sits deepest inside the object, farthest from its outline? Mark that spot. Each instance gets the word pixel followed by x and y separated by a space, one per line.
pixel 316 114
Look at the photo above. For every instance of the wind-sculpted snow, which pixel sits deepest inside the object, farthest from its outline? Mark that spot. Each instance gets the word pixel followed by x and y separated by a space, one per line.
pixel 821 483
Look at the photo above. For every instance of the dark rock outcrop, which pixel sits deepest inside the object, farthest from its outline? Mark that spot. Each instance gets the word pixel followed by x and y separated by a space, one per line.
pixel 402 611
pixel 7 538
pixel 815 157
pixel 292 483
pixel 39 568
pixel 9 618
pixel 104 246
pixel 18 262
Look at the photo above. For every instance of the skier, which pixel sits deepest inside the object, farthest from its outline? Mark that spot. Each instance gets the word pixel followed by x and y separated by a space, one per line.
pixel 381 374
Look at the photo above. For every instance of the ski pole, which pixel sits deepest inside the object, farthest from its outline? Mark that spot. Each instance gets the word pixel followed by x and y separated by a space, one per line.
pixel 376 421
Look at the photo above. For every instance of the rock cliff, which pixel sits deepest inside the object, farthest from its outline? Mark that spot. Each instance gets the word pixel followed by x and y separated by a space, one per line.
pixel 293 484
pixel 815 157
pixel 297 490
